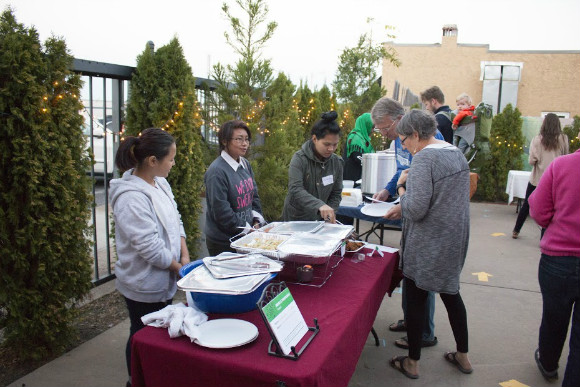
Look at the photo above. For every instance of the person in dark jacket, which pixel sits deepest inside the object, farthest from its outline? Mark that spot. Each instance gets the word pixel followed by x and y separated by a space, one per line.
pixel 315 175
pixel 434 100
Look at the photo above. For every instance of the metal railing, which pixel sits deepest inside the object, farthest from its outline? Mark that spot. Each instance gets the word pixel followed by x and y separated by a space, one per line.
pixel 103 117
pixel 106 91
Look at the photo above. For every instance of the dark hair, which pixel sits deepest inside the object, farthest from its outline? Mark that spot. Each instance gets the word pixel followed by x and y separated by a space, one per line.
pixel 227 130
pixel 151 142
pixel 325 125
pixel 550 131
pixel 433 93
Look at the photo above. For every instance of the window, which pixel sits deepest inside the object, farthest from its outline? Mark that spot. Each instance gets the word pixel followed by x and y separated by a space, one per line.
pixel 500 83
pixel 559 114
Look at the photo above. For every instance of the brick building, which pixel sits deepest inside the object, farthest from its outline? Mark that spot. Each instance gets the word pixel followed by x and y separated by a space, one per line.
pixel 537 82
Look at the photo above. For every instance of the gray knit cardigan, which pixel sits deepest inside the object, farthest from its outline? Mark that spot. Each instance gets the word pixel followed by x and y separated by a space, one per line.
pixel 435 212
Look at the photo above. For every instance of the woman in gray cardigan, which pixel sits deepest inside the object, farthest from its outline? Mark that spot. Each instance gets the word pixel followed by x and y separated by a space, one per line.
pixel 434 210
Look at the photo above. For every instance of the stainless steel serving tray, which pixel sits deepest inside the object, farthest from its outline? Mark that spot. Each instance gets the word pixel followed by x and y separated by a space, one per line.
pixel 202 281
pixel 260 242
pixel 329 230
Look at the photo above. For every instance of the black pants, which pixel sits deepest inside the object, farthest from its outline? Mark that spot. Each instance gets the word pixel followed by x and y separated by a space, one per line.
pixel 416 299
pixel 525 210
pixel 216 248
pixel 136 311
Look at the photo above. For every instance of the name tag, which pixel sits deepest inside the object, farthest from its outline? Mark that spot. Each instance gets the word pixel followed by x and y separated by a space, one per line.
pixel 327 180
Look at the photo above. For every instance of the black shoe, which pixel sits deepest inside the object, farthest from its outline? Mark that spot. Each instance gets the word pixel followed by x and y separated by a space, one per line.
pixel 548 375
pixel 403 342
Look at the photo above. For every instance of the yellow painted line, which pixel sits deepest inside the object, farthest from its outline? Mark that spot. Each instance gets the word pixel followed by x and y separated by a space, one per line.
pixel 497 234
pixel 482 276
pixel 513 383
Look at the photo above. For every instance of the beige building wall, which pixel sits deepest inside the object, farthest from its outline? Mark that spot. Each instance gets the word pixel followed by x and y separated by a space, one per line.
pixel 550 80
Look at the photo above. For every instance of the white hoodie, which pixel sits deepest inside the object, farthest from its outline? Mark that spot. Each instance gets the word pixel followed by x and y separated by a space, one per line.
pixel 148 231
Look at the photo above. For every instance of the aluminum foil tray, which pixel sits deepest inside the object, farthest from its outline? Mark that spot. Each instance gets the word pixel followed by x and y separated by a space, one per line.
pixel 295 227
pixel 228 265
pixel 329 230
pixel 270 226
pixel 308 248
pixel 201 280
pixel 260 242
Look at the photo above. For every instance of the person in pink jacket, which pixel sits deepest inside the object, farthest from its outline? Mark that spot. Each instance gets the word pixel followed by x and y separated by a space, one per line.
pixel 555 206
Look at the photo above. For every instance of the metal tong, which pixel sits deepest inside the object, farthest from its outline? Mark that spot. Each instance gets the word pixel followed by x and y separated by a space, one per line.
pixel 238 265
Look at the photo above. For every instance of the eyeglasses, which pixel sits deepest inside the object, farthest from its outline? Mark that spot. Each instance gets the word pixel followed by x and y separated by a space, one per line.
pixel 388 127
pixel 403 140
pixel 241 140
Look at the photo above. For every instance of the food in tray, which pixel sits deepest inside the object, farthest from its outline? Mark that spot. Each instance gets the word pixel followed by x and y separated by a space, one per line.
pixel 263 243
pixel 267 228
pixel 354 245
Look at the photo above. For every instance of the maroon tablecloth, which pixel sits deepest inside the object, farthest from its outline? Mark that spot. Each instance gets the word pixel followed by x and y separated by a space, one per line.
pixel 346 307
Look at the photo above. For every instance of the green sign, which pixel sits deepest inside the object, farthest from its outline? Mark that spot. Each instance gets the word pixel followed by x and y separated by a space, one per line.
pixel 278 304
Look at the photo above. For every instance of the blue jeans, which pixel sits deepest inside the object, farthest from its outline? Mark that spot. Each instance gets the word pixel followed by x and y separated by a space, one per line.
pixel 559 279
pixel 429 324
pixel 460 142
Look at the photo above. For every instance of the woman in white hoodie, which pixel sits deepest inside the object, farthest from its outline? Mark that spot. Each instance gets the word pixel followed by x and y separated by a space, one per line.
pixel 149 234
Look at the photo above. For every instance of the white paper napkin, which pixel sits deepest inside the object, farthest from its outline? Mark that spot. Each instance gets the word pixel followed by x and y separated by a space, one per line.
pixel 179 319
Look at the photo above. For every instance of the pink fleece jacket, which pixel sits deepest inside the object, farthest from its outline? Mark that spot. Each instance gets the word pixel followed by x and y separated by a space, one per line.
pixel 555 205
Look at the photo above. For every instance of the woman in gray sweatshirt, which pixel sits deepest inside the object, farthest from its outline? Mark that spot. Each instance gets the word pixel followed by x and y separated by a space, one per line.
pixel 233 203
pixel 435 233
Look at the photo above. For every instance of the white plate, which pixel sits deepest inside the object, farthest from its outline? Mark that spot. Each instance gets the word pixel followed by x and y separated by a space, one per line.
pixel 226 333
pixel 376 209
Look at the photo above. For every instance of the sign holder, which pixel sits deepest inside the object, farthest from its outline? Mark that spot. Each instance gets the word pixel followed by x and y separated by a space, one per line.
pixel 274 348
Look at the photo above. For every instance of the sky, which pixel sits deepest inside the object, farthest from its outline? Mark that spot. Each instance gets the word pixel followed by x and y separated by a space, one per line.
pixel 311 34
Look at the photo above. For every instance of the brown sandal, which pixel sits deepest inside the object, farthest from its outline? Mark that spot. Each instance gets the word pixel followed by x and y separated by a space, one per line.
pixel 399 326
pixel 398 363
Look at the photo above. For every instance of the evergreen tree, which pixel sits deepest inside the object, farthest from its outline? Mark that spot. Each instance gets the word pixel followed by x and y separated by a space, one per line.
pixel 506 149
pixel 284 136
pixel 306 102
pixel 241 87
pixel 246 91
pixel 356 80
pixel 44 192
pixel 326 100
pixel 163 95
pixel 572 132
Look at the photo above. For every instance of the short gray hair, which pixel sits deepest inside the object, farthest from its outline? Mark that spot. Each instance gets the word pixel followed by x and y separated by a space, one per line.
pixel 417 121
pixel 386 107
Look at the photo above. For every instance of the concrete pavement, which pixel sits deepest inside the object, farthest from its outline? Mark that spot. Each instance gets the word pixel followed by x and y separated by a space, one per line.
pixel 504 314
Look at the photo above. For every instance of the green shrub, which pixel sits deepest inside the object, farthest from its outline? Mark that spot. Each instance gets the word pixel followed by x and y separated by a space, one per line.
pixel 505 153
pixel 163 95
pixel 44 192
pixel 572 132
